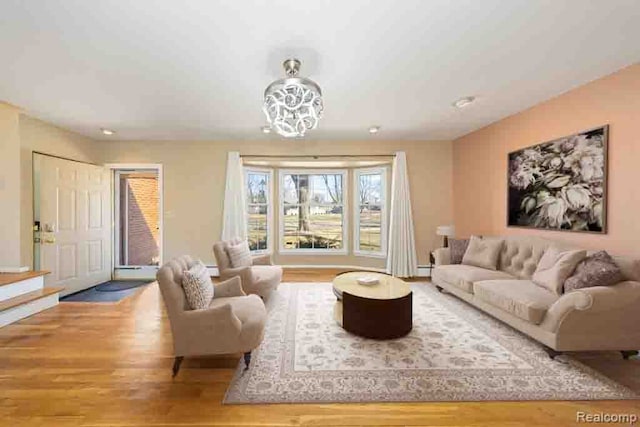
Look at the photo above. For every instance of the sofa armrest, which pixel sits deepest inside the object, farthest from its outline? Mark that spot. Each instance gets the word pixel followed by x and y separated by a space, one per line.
pixel 229 288
pixel 442 256
pixel 598 300
pixel 262 260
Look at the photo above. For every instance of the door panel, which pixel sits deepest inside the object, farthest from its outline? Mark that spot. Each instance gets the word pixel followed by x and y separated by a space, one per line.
pixel 95 209
pixel 67 261
pixel 95 255
pixel 72 207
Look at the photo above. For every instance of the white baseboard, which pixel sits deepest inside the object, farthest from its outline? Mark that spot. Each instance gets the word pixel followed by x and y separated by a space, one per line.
pixel 25 310
pixel 22 269
pixel 22 287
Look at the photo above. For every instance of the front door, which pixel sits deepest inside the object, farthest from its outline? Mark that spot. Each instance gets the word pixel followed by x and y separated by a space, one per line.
pixel 72 207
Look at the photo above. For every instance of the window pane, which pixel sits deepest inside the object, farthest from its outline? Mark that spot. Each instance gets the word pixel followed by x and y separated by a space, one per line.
pixel 326 189
pixel 257 228
pixel 296 189
pixel 370 228
pixel 291 216
pixel 257 187
pixel 326 227
pixel 370 189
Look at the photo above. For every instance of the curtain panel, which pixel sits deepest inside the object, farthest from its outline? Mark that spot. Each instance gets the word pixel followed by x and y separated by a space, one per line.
pixel 234 217
pixel 401 258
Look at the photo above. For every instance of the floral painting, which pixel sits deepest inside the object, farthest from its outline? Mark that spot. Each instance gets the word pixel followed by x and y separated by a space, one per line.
pixel 560 184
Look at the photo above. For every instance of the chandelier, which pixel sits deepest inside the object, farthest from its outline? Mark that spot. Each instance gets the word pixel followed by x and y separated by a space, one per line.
pixel 293 105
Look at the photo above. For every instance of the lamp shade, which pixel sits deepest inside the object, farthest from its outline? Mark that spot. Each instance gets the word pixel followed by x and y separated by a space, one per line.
pixel 446 230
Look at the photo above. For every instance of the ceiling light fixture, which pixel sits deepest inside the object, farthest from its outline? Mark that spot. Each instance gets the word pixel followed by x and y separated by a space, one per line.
pixel 107 131
pixel 265 129
pixel 463 102
pixel 374 129
pixel 293 105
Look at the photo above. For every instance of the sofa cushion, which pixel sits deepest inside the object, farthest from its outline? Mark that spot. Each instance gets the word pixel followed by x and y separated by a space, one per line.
pixel 555 266
pixel 483 252
pixel 522 298
pixel 197 285
pixel 520 255
pixel 463 276
pixel 598 269
pixel 239 254
pixel 457 249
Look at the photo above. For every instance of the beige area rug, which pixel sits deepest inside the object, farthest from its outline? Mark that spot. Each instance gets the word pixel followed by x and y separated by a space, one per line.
pixel 453 353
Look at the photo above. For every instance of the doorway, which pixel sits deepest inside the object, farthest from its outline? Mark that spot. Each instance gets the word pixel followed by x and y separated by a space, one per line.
pixel 137 219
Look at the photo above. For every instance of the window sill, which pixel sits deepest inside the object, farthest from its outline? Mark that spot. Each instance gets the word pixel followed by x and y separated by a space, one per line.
pixel 365 254
pixel 313 252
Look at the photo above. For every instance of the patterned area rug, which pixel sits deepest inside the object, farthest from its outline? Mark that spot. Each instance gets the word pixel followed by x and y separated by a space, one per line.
pixel 453 353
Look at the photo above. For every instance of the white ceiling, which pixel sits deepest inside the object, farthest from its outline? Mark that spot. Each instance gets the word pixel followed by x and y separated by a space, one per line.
pixel 166 69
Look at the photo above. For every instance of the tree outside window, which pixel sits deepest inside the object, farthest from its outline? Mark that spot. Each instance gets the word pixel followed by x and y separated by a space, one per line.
pixel 312 210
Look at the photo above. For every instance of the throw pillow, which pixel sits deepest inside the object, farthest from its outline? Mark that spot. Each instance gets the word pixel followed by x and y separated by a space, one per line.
pixel 457 248
pixel 240 255
pixel 197 286
pixel 598 269
pixel 555 266
pixel 483 253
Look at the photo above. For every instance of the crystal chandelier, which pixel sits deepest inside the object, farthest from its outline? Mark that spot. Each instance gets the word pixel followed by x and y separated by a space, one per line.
pixel 293 105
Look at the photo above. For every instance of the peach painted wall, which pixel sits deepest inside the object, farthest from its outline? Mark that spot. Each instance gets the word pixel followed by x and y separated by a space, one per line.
pixel 480 161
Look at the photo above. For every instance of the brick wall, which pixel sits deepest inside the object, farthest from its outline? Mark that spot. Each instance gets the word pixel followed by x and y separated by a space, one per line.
pixel 141 220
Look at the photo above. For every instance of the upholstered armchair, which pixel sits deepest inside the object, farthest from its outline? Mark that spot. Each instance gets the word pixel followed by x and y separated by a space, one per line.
pixel 261 278
pixel 233 322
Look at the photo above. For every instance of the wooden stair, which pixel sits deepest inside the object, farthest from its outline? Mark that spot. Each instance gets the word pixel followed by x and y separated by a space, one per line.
pixel 24 294
pixel 28 297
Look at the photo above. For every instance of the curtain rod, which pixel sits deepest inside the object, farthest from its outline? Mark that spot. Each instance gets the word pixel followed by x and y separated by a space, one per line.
pixel 316 156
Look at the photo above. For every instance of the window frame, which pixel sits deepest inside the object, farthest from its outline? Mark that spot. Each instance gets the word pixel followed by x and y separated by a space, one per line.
pixel 345 217
pixel 384 229
pixel 269 172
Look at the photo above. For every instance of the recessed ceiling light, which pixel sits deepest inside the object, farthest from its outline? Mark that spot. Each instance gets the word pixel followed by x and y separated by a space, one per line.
pixel 265 129
pixel 374 129
pixel 463 102
pixel 107 131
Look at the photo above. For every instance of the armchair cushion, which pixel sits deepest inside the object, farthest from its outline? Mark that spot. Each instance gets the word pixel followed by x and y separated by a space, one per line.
pixel 240 255
pixel 229 288
pixel 197 286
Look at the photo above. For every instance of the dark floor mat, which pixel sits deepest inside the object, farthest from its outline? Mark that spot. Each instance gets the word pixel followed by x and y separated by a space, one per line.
pixel 119 285
pixel 93 295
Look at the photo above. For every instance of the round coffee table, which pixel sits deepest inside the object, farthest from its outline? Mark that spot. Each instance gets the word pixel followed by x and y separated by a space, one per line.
pixel 380 311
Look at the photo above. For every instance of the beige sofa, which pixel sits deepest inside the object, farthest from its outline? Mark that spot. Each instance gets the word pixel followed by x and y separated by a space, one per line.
pixel 261 278
pixel 596 318
pixel 233 323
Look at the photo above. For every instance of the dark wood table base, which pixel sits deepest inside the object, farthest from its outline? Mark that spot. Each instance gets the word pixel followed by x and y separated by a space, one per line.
pixel 381 319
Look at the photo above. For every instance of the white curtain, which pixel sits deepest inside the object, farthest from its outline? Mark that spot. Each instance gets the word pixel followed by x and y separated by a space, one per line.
pixel 234 217
pixel 401 259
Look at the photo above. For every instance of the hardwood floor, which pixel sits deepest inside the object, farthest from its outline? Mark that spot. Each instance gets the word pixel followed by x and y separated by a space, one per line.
pixel 109 364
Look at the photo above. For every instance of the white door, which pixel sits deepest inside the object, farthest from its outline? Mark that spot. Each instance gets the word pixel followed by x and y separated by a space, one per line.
pixel 73 208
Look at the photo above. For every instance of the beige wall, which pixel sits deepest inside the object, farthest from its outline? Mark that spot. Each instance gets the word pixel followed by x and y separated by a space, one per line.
pixel 194 181
pixel 9 186
pixel 36 135
pixel 480 160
